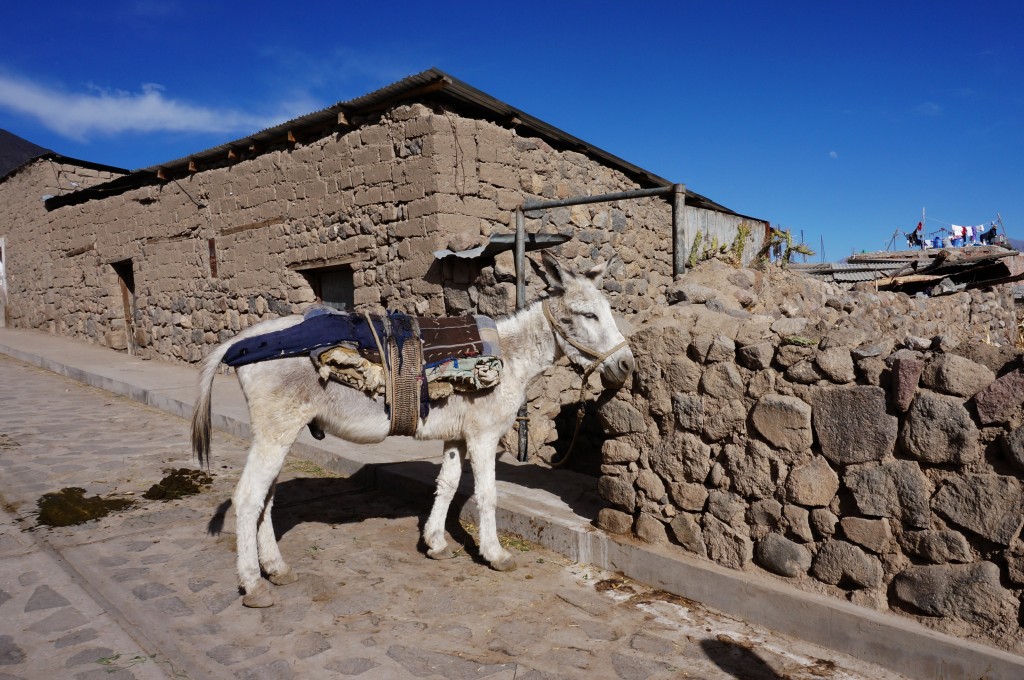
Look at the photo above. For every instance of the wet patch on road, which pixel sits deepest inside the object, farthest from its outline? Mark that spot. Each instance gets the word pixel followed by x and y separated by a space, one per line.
pixel 178 484
pixel 70 506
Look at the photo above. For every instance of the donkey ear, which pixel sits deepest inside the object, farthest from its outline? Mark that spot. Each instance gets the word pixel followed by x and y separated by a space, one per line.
pixel 556 275
pixel 597 273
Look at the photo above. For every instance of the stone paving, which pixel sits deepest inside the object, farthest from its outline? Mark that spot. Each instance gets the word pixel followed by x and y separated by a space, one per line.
pixel 150 592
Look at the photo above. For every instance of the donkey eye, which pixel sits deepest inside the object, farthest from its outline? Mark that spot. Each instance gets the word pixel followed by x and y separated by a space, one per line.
pixel 589 315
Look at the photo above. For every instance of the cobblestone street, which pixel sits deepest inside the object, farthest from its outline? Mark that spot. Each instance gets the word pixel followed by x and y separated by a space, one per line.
pixel 149 592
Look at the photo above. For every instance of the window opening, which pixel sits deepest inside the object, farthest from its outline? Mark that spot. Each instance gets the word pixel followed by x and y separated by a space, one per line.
pixel 334 287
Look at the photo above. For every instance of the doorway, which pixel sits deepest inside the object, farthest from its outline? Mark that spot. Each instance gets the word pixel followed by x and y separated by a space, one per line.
pixel 126 282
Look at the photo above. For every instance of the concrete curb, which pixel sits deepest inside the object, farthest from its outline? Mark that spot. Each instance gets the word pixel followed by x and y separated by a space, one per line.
pixel 547 519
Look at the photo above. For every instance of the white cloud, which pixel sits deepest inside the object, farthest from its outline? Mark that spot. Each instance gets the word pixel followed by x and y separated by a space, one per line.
pixel 833 154
pixel 928 109
pixel 102 111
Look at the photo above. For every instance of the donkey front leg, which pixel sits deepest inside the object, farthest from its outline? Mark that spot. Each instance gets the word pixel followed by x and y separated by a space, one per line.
pixel 447 485
pixel 273 565
pixel 482 454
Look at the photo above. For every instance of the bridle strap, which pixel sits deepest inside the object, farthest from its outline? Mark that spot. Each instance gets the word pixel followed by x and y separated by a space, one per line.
pixel 599 358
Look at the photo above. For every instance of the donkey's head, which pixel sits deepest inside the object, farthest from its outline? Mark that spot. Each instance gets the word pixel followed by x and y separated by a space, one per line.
pixel 582 320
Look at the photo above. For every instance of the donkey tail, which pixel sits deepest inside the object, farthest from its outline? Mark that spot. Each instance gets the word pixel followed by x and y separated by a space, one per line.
pixel 201 412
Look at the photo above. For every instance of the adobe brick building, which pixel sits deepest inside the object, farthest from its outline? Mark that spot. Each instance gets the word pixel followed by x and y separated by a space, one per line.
pixel 345 206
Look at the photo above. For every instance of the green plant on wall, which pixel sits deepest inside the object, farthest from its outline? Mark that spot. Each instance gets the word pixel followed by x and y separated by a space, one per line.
pixel 781 243
pixel 740 243
pixel 729 252
pixel 693 258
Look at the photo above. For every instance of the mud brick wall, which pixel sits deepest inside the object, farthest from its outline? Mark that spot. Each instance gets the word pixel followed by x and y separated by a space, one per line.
pixel 867 446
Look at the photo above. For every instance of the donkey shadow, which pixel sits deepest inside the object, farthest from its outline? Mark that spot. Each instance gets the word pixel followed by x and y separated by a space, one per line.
pixel 337 501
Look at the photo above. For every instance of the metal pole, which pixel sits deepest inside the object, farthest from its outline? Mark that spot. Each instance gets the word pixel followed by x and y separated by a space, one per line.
pixel 531 205
pixel 520 257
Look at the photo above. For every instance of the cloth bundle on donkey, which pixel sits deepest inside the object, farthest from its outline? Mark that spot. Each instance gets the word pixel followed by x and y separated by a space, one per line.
pixel 395 355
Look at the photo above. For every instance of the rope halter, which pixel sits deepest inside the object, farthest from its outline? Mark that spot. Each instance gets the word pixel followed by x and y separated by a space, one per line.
pixel 598 359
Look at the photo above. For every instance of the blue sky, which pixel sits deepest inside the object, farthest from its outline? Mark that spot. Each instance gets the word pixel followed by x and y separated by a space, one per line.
pixel 838 120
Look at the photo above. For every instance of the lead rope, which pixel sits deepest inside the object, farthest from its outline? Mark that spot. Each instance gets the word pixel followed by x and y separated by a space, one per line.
pixel 581 409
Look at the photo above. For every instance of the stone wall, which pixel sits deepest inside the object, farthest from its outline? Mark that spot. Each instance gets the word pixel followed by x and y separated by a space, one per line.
pixel 865 445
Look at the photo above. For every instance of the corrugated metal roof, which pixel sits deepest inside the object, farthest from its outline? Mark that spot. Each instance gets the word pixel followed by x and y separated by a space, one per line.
pixel 432 83
pixel 965 263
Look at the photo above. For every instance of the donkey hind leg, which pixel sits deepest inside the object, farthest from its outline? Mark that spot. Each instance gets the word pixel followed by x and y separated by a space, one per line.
pixel 482 454
pixel 251 502
pixel 271 562
pixel 447 484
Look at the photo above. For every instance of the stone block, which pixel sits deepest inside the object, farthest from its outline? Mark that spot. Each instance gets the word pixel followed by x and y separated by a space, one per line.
pixel 896 489
pixel 823 521
pixel 756 357
pixel 614 521
pixel 619 417
pixel 836 364
pixel 616 451
pixel 997 401
pixel 765 514
pixel 689 411
pixel 649 529
pixel 813 484
pixel 938 429
pixel 991 506
pixel 953 374
pixel 722 380
pixel 728 507
pixel 687 532
pixel 724 419
pixel 617 491
pixel 798 520
pixel 688 495
pixel 789 355
pixel 750 469
pixel 726 545
pixel 873 534
pixel 969 592
pixel 785 422
pixel 843 564
pixel 906 374
pixel 852 425
pixel 789 327
pixel 937 546
pixel 684 457
pixel 651 485
pixel 691 293
pixel 782 556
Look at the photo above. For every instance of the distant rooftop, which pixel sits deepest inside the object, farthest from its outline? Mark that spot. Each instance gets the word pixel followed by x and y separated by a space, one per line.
pixel 16 152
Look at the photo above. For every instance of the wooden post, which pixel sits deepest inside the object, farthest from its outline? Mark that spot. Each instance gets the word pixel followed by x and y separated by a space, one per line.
pixel 680 244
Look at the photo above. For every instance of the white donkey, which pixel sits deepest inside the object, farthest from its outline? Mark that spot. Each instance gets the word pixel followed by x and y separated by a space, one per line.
pixel 286 394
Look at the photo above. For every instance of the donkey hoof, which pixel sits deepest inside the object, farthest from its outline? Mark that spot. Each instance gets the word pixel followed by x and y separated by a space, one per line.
pixel 507 563
pixel 283 577
pixel 258 597
pixel 445 553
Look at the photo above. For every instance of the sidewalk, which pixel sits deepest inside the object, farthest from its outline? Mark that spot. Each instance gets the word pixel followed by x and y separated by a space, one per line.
pixel 550 507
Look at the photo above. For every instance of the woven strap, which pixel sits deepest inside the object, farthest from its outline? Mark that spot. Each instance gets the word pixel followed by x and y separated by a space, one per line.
pixel 404 385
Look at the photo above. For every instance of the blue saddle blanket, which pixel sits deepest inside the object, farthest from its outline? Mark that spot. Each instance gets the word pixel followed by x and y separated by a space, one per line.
pixel 442 338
